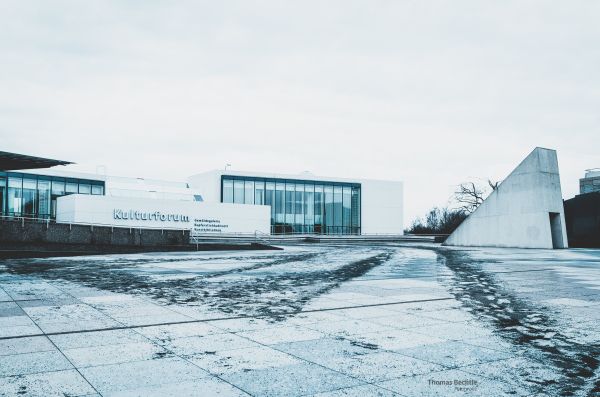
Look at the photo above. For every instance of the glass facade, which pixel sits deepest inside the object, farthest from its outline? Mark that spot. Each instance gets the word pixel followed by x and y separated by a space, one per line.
pixel 34 196
pixel 299 206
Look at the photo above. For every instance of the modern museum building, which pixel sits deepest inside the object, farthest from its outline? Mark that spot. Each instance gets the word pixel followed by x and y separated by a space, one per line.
pixel 212 202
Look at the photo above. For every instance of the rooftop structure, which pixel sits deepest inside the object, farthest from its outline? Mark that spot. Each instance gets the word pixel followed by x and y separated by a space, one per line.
pixel 591 182
pixel 14 161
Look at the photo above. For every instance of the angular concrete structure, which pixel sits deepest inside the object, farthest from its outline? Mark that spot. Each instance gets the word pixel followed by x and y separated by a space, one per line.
pixel 525 211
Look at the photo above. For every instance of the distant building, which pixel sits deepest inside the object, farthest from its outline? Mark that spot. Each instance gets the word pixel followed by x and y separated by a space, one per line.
pixel 591 182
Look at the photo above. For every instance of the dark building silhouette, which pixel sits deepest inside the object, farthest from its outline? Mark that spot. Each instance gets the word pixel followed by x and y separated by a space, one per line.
pixel 582 216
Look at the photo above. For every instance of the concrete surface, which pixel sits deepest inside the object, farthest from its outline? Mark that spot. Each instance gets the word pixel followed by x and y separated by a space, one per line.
pixel 517 213
pixel 387 320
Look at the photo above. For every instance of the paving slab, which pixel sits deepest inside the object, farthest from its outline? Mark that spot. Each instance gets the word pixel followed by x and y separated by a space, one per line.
pixel 293 380
pixel 34 344
pixel 242 360
pixel 381 366
pixel 281 334
pixel 453 354
pixel 348 327
pixel 97 338
pixel 358 391
pixel 29 363
pixel 114 354
pixel 325 350
pixel 46 384
pixel 141 374
pixel 395 339
pixel 174 331
pixel 206 344
pixel 209 387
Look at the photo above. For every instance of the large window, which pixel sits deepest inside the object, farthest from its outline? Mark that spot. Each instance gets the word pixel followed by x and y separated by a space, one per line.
pixel 328 209
pixel 238 192
pixel 355 207
pixel 14 195
pixel 249 192
pixel 72 187
pixel 29 202
pixel 58 190
pixel 319 219
pixel 337 209
pixel 2 194
pixel 227 191
pixel 346 209
pixel 35 196
pixel 279 206
pixel 85 188
pixel 309 208
pixel 270 199
pixel 43 187
pixel 290 189
pixel 259 193
pixel 299 206
pixel 97 189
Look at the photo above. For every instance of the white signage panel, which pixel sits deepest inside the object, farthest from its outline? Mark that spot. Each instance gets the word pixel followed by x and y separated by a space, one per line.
pixel 198 217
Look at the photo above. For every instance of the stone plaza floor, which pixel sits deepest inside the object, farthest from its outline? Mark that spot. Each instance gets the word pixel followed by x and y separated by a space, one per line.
pixel 388 320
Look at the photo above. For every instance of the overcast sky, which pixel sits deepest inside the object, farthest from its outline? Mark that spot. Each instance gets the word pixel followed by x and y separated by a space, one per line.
pixel 429 92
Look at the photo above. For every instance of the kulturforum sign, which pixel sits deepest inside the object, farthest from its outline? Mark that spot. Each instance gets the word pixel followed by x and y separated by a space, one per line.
pixel 149 216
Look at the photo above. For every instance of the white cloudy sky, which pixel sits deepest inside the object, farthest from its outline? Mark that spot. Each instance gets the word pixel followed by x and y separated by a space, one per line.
pixel 430 92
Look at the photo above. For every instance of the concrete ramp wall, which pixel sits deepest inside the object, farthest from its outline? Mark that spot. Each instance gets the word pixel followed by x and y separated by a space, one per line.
pixel 525 211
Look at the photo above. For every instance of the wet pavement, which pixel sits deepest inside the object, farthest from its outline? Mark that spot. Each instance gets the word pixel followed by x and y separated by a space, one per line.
pixel 385 320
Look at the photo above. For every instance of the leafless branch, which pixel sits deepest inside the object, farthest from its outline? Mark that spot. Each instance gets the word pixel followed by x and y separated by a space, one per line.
pixel 493 185
pixel 468 196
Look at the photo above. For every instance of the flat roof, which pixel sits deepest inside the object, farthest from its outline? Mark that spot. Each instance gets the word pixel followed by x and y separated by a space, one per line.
pixel 303 176
pixel 14 161
pixel 592 173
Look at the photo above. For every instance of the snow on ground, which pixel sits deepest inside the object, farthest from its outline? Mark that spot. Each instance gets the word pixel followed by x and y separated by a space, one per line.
pixel 309 320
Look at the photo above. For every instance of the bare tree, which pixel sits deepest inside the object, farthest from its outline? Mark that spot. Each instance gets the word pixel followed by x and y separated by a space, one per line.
pixel 469 196
pixel 438 221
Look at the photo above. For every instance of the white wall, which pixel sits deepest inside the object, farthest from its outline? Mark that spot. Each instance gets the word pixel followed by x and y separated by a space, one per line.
pixel 208 184
pixel 196 216
pixel 382 207
pixel 517 213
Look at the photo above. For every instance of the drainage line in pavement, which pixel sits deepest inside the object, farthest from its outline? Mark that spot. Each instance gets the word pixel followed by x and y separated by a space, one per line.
pixel 521 271
pixel 221 319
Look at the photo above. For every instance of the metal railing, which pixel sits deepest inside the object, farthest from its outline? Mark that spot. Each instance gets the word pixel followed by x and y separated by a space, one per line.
pixel 256 236
pixel 48 222
pixel 269 239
